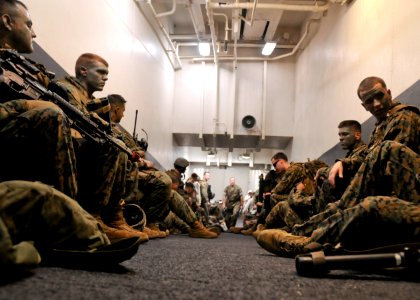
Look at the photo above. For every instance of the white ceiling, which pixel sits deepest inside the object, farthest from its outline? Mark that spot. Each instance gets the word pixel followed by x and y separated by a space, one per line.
pixel 236 29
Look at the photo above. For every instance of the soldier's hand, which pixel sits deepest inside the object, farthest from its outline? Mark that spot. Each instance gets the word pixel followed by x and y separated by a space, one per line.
pixel 336 170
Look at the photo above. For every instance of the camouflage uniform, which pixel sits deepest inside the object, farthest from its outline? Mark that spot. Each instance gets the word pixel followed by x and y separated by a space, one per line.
pixel 281 215
pixel 35 212
pixel 385 189
pixel 36 143
pixel 102 170
pixel 233 196
pixel 300 206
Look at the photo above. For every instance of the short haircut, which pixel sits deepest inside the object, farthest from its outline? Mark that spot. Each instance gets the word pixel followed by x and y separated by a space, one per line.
pixel 280 155
pixel 189 184
pixel 5 4
pixel 194 176
pixel 355 125
pixel 369 82
pixel 86 60
pixel 115 99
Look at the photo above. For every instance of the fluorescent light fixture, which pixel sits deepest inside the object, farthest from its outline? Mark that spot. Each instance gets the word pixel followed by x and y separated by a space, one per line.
pixel 204 49
pixel 268 48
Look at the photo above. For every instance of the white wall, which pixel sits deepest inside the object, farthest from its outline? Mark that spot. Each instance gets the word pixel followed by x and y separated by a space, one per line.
pixel 367 38
pixel 139 70
pixel 203 95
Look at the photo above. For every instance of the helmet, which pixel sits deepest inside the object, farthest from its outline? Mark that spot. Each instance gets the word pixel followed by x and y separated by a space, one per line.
pixel 181 162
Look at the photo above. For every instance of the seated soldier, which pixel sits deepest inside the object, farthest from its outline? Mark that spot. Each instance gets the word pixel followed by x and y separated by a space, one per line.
pixel 295 174
pixel 38 223
pixel 299 205
pixel 101 167
pixel 381 204
pixel 158 198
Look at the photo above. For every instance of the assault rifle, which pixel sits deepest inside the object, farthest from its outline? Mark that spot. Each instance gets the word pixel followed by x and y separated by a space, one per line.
pixel 20 75
pixel 318 264
pixel 142 143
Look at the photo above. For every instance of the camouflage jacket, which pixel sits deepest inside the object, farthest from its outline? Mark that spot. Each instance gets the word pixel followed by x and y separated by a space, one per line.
pixel 11 102
pixel 355 157
pixel 233 195
pixel 402 125
pixel 77 95
pixel 121 133
pixel 296 173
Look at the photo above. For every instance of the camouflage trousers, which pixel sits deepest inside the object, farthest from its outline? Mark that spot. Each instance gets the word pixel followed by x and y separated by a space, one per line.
pixel 391 169
pixel 35 212
pixel 231 214
pixel 300 206
pixel 172 221
pixel 377 221
pixel 155 190
pixel 37 146
pixel 101 178
pixel 179 206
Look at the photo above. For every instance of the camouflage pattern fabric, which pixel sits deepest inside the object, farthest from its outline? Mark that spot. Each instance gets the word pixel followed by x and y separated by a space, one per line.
pixel 233 195
pixel 376 221
pixel 233 204
pixel 296 173
pixel 180 207
pixel 37 146
pixel 35 212
pixel 156 189
pixel 102 169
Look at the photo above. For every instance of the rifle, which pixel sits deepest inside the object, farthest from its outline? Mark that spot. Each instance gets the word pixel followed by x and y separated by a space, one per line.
pixel 318 264
pixel 20 75
pixel 143 144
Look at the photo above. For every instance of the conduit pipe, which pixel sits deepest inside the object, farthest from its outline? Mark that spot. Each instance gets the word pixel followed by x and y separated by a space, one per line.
pixel 281 6
pixel 212 31
pixel 264 100
pixel 252 14
pixel 172 11
pixel 165 34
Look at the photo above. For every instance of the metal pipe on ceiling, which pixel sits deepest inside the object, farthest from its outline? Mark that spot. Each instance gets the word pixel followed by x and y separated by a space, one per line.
pixel 297 7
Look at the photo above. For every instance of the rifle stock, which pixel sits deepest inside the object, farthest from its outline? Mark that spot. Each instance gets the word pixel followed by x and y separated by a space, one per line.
pixel 20 76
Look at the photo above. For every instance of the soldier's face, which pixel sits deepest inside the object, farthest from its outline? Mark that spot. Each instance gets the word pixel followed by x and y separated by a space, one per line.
pixel 348 137
pixel 377 100
pixel 95 76
pixel 21 34
pixel 119 113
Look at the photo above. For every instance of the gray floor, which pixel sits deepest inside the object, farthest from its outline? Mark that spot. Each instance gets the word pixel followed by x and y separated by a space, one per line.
pixel 229 267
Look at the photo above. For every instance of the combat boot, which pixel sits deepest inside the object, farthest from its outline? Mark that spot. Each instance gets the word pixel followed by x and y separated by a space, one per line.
pixel 197 230
pixel 282 243
pixel 154 232
pixel 233 229
pixel 260 227
pixel 117 226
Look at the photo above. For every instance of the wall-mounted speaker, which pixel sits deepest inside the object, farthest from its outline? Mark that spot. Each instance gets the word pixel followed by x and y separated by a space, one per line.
pixel 248 122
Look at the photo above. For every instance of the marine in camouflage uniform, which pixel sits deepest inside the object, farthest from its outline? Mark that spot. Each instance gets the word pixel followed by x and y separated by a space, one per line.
pixel 233 201
pixel 385 190
pixel 279 215
pixel 300 206
pixel 101 169
pixel 35 218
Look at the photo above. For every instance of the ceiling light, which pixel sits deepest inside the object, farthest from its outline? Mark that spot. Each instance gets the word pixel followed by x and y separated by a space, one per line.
pixel 204 49
pixel 268 48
